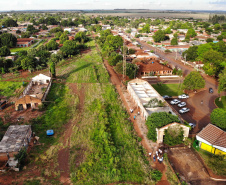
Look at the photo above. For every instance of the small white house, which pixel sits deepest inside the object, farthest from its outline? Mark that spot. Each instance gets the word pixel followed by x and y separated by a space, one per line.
pixel 41 79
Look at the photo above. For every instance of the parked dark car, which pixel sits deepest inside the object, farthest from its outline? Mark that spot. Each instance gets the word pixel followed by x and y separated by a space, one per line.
pixel 210 90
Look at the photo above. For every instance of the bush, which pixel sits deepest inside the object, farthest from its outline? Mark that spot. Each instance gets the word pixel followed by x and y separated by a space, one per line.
pixel 156 175
pixel 158 120
pixel 173 136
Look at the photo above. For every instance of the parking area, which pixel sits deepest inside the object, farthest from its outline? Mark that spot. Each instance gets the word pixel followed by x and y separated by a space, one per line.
pixel 188 116
pixel 185 162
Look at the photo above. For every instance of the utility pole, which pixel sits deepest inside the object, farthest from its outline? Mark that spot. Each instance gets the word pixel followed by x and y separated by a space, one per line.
pixel 176 55
pixel 124 61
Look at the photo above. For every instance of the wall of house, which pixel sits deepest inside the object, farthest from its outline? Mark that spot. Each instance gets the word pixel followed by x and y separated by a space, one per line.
pixel 137 102
pixel 47 91
pixel 27 89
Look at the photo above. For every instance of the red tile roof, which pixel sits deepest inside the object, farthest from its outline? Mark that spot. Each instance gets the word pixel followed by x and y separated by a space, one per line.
pixel 213 135
pixel 156 66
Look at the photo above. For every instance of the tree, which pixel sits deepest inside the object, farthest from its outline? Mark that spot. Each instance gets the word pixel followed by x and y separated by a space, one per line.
pixel 218 117
pixel 81 36
pixel 209 40
pixel 63 38
pixel 156 175
pixel 222 81
pixel 52 69
pixel 52 45
pixel 191 32
pixel 132 51
pixel 69 48
pixel 158 120
pixel 174 41
pixel 7 39
pixel 146 29
pixel 168 30
pixel 28 63
pixel 194 81
pixel 4 51
pixel 191 54
pixel 26 34
pixel 31 52
pixel 55 30
pixel 159 36
pixel 9 23
pixel 174 135
pixel 113 60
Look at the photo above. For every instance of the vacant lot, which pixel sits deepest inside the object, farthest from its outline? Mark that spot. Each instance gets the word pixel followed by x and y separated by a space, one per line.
pixel 8 89
pixel 168 89
pixel 189 167
pixel 94 142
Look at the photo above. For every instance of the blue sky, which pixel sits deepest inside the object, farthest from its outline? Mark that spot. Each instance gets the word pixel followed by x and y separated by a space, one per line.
pixel 112 4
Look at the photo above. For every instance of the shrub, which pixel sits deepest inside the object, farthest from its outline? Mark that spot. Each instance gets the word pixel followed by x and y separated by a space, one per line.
pixel 156 175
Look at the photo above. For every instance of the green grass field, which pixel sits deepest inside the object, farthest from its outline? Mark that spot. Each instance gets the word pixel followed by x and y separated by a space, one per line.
pixel 168 89
pixel 8 89
pixel 222 103
pixel 103 147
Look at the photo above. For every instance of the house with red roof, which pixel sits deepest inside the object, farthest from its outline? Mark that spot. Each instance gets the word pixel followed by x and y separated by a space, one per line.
pixel 212 139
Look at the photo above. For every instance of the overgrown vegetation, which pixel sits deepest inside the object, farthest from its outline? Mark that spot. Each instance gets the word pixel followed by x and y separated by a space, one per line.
pixel 221 103
pixel 8 88
pixel 158 120
pixel 214 162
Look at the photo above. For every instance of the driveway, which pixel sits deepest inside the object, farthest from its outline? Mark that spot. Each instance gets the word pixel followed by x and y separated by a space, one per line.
pixel 200 113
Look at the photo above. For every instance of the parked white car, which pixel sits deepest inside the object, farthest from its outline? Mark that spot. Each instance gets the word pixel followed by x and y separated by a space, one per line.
pixel 192 125
pixel 175 101
pixel 184 110
pixel 182 104
pixel 183 96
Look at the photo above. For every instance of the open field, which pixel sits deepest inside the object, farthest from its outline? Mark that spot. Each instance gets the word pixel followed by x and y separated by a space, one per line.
pixel 168 89
pixel 222 103
pixel 8 89
pixel 94 142
pixel 158 15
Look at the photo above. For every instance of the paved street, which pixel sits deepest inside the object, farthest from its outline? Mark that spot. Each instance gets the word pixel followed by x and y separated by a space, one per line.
pixel 199 112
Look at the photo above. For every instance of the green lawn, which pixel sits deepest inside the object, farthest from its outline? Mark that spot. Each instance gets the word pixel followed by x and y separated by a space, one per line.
pixel 222 103
pixel 9 89
pixel 168 89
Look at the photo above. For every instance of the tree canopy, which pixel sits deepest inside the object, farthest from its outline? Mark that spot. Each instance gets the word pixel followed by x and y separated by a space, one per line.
pixel 222 81
pixel 159 36
pixel 52 45
pixel 4 51
pixel 194 81
pixel 8 39
pixel 69 48
pixel 218 117
pixel 9 23
pixel 158 120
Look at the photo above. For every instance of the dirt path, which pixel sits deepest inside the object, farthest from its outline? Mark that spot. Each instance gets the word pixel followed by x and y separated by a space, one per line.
pixel 122 90
pixel 64 152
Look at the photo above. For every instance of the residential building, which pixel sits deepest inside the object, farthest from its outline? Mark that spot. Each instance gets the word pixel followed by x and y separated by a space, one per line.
pixel 141 92
pixel 16 138
pixel 212 139
pixel 24 42
pixel 153 68
pixel 35 93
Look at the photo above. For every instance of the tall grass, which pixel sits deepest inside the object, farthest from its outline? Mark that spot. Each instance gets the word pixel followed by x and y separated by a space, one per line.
pixel 9 89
